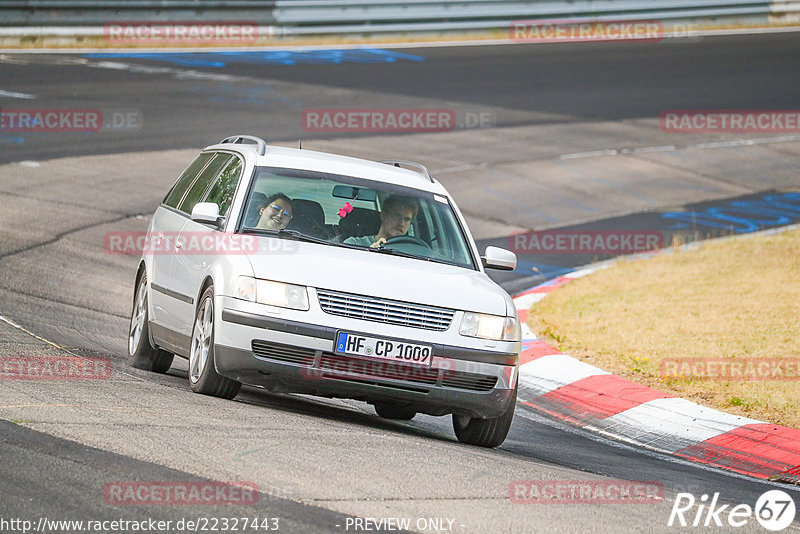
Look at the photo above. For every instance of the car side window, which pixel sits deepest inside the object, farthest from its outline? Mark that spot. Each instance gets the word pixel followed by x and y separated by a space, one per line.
pixel 202 182
pixel 225 187
pixel 182 184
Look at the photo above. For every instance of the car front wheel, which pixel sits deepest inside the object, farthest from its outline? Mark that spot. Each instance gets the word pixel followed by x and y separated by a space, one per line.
pixel 203 377
pixel 490 432
pixel 143 355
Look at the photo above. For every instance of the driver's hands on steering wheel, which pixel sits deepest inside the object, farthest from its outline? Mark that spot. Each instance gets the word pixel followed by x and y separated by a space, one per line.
pixel 406 239
pixel 399 239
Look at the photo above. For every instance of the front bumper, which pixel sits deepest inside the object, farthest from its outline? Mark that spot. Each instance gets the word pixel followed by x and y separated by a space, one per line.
pixel 290 356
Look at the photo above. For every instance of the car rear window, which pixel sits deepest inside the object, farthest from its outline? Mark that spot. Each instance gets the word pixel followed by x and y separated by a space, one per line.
pixel 225 187
pixel 202 182
pixel 185 180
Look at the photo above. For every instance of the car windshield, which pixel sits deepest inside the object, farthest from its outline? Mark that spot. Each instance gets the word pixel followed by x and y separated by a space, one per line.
pixel 354 212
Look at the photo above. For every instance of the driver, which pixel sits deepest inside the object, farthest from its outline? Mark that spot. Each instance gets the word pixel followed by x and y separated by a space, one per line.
pixel 396 217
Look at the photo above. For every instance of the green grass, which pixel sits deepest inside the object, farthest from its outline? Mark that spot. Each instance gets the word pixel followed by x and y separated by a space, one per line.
pixel 732 301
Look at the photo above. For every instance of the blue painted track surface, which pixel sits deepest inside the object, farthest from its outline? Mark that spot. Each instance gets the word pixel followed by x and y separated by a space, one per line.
pixel 267 57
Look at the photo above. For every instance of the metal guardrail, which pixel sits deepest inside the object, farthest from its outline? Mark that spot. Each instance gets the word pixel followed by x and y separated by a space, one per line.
pixel 350 11
pixel 297 17
pixel 100 12
pixel 303 17
pixel 787 8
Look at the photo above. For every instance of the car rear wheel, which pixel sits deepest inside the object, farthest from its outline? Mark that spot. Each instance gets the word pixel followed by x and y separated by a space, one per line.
pixel 203 377
pixel 393 411
pixel 490 432
pixel 143 355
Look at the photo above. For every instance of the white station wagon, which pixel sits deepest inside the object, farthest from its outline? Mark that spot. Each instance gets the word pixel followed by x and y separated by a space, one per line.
pixel 306 272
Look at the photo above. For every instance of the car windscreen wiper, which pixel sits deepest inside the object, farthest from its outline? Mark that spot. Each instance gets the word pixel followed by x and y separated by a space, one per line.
pixel 395 252
pixel 416 257
pixel 284 233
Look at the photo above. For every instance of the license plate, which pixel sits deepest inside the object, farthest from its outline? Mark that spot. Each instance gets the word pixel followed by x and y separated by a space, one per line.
pixel 384 349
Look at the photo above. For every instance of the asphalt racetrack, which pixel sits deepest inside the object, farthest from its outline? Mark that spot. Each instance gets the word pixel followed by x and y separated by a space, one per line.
pixel 547 137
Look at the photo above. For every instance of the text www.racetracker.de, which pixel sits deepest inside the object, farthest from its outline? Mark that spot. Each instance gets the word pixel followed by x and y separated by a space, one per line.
pixel 198 524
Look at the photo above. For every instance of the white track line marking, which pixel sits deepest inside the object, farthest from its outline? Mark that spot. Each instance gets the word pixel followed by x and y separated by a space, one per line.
pixel 11 94
pixel 670 148
pixel 18 327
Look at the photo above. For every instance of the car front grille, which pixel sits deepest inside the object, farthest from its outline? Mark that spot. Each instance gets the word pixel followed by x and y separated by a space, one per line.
pixel 283 353
pixel 363 370
pixel 375 372
pixel 378 370
pixel 471 381
pixel 384 310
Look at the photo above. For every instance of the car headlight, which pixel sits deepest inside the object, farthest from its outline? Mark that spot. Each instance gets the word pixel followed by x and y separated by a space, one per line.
pixel 490 327
pixel 272 293
pixel 282 295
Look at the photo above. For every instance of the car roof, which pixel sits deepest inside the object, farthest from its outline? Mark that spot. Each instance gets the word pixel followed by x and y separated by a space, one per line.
pixel 294 158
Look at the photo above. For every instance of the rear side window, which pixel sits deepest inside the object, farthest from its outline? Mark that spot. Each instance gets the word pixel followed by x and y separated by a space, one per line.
pixel 225 187
pixel 176 193
pixel 202 182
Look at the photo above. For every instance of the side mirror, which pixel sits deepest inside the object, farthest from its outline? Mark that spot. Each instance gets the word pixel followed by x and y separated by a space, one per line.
pixel 207 213
pixel 499 258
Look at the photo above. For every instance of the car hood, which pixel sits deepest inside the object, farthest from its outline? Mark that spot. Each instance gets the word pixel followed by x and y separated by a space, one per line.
pixel 380 275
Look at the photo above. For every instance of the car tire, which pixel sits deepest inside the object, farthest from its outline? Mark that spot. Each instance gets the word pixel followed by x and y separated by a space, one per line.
pixel 142 354
pixel 393 411
pixel 203 376
pixel 490 432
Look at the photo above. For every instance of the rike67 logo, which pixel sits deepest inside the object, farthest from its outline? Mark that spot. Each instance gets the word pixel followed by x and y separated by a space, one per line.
pixel 774 510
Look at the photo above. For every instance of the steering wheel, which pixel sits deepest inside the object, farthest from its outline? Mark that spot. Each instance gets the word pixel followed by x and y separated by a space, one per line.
pixel 406 240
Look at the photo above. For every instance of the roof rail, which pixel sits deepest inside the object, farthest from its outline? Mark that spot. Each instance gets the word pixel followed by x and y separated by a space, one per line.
pixel 261 145
pixel 421 169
